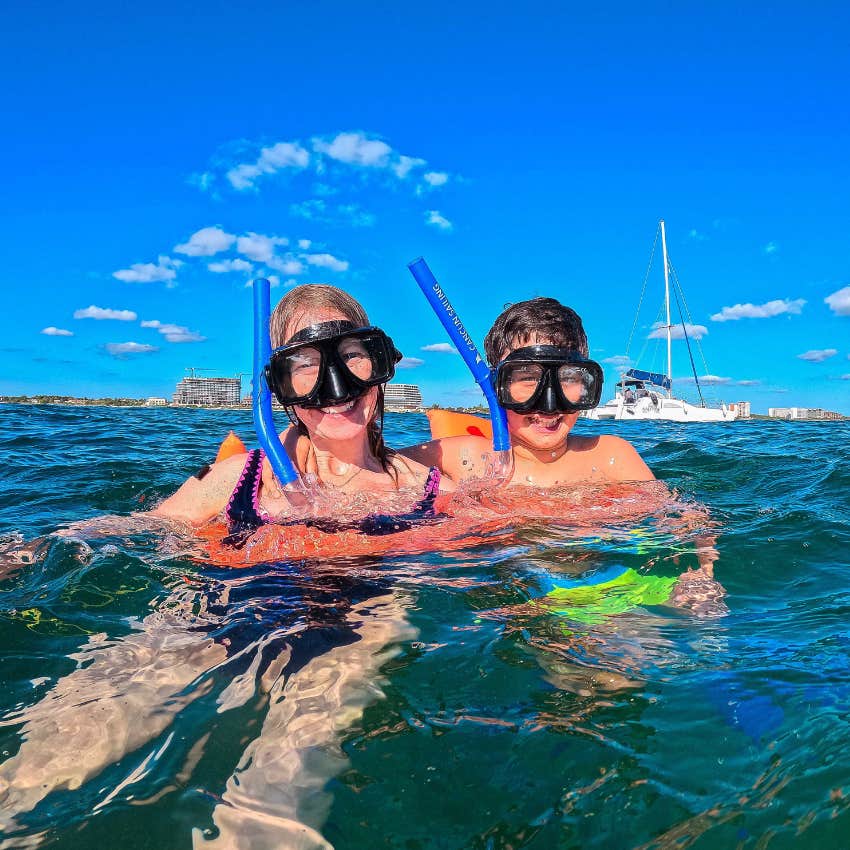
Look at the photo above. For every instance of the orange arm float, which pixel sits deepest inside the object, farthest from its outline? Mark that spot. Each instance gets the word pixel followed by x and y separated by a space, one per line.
pixel 446 423
pixel 230 445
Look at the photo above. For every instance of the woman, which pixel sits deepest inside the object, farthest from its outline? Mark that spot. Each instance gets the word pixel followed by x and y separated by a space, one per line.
pixel 327 368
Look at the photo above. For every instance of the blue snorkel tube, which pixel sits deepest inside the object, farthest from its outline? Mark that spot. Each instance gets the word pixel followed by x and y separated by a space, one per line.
pixel 441 305
pixel 267 435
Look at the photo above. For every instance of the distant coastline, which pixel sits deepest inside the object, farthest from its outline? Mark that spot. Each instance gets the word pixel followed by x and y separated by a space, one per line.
pixel 73 401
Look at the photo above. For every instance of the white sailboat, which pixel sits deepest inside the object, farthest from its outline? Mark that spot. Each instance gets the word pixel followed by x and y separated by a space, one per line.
pixel 649 395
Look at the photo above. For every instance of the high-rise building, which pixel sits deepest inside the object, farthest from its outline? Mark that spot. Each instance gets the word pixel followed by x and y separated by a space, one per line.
pixel 741 409
pixel 208 392
pixel 803 413
pixel 400 397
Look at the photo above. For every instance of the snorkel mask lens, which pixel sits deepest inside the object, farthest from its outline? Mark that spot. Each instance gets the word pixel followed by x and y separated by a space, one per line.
pixel 548 379
pixel 331 363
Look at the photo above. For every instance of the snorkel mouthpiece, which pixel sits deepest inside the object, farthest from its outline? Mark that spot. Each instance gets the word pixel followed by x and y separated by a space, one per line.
pixel 441 305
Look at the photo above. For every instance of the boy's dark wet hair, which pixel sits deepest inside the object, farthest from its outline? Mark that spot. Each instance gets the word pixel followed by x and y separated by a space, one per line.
pixel 544 320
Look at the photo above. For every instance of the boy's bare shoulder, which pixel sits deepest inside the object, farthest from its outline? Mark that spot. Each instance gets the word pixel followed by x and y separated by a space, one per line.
pixel 624 462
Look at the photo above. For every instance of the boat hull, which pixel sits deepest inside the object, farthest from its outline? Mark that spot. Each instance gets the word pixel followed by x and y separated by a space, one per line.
pixel 660 409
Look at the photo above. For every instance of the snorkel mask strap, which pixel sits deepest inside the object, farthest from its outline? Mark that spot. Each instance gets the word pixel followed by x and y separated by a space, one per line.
pixel 441 305
pixel 264 425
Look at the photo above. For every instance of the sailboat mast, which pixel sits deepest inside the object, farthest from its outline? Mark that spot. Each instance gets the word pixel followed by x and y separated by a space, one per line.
pixel 667 305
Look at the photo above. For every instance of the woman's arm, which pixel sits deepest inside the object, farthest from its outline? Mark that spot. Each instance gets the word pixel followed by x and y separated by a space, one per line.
pixel 203 496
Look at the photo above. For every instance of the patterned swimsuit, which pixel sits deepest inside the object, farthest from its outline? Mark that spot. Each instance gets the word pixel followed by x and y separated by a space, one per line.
pixel 244 514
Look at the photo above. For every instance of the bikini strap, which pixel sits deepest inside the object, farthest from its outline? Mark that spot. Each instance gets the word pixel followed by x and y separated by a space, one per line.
pixel 243 511
pixel 432 484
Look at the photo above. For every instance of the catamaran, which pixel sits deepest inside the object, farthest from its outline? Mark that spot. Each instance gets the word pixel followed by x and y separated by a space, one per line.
pixel 649 395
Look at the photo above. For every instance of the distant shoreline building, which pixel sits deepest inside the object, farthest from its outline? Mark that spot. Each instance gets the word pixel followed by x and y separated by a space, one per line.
pixel 811 413
pixel 208 392
pixel 741 409
pixel 402 397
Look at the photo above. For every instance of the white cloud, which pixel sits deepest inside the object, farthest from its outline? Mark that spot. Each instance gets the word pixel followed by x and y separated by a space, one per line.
pixel 317 209
pixel 759 311
pixel 818 355
pixel 288 265
pixel 839 302
pixel 272 159
pixel 442 347
pixel 304 244
pixel 620 360
pixel 434 218
pixel 223 266
pixel 101 313
pixel 173 333
pixel 203 181
pixel 703 379
pixel 326 261
pixel 51 331
pixel 409 363
pixel 405 164
pixel 349 149
pixel 696 236
pixel 355 149
pixel 162 270
pixel 119 349
pixel 748 383
pixel 770 248
pixel 845 377
pixel 659 331
pixel 258 246
pixel 206 242
pixel 311 210
pixel 435 178
pixel 355 215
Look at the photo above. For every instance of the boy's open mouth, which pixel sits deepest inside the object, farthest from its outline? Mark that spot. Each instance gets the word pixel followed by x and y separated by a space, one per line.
pixel 546 422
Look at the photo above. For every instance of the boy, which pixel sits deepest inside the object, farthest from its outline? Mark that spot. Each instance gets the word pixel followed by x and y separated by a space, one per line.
pixel 543 379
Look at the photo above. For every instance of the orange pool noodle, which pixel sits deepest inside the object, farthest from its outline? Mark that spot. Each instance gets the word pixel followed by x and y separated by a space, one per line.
pixel 230 445
pixel 446 423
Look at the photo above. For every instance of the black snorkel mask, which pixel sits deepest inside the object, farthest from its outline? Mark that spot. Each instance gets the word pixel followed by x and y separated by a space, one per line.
pixel 330 363
pixel 547 379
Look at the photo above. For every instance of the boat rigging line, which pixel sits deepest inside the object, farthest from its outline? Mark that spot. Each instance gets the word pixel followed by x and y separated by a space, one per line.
pixel 643 290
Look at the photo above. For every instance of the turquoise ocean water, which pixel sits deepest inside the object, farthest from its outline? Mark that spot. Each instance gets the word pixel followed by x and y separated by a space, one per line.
pixel 149 700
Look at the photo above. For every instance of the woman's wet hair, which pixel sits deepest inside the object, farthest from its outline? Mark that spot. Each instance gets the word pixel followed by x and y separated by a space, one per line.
pixel 538 321
pixel 307 298
pixel 310 297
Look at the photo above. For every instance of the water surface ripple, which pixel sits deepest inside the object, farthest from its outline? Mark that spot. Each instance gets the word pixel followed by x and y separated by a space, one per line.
pixel 422 701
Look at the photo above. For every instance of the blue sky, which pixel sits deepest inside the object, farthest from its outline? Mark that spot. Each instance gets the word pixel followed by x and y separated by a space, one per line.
pixel 156 159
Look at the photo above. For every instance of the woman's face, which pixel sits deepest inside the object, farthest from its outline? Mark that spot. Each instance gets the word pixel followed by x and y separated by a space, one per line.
pixel 340 422
pixel 540 432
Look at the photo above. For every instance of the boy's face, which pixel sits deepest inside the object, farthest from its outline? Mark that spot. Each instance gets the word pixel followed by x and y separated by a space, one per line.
pixel 537 431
